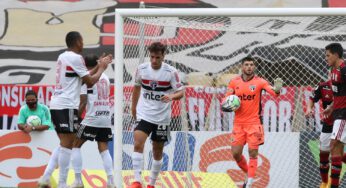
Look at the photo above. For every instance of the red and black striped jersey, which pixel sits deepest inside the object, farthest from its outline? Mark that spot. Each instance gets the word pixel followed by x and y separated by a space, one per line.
pixel 324 93
pixel 338 78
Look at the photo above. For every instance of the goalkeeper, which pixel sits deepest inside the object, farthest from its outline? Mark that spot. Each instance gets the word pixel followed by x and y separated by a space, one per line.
pixel 324 93
pixel 247 124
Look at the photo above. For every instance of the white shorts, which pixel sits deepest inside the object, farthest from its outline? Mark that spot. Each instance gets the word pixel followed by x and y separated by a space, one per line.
pixel 325 141
pixel 339 130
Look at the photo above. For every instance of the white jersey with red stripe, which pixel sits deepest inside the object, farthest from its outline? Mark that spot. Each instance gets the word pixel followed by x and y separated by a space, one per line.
pixel 70 69
pixel 154 84
pixel 339 130
pixel 98 106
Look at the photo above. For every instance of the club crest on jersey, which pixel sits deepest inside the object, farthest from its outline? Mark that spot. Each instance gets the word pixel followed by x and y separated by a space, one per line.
pixel 153 84
pixel 252 88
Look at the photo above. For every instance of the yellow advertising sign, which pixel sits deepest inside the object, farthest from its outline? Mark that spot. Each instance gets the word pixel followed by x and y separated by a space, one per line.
pixel 171 179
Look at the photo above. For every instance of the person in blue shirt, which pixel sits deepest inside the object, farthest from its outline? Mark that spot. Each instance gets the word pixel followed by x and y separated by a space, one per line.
pixel 33 108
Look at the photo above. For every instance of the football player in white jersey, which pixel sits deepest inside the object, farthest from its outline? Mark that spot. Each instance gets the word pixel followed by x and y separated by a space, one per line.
pixel 70 73
pixel 156 85
pixel 96 124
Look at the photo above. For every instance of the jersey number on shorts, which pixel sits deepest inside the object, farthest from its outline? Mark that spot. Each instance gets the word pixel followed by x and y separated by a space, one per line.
pixel 162 127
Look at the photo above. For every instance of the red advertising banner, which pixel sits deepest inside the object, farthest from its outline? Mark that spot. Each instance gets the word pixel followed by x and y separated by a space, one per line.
pixel 201 103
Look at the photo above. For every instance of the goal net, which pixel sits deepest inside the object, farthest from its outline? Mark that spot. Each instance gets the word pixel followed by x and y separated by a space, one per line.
pixel 207 51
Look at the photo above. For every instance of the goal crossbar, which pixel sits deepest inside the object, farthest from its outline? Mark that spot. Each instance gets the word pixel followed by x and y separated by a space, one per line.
pixel 231 12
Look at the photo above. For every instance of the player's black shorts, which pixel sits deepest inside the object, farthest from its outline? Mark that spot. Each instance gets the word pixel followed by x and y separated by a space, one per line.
pixel 100 134
pixel 65 120
pixel 159 133
pixel 326 128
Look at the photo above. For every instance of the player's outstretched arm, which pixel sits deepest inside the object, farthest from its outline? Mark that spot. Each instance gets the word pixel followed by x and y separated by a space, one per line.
pixel 135 97
pixel 21 121
pixel 82 106
pixel 174 96
pixel 94 70
pixel 91 79
pixel 328 111
pixel 278 82
pixel 309 108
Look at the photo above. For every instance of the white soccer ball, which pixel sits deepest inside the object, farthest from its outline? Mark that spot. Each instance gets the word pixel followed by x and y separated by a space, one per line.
pixel 230 103
pixel 33 120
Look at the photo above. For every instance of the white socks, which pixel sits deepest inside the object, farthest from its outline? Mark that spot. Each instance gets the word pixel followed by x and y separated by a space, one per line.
pixel 108 166
pixel 76 158
pixel 155 170
pixel 249 182
pixel 137 163
pixel 64 162
pixel 52 163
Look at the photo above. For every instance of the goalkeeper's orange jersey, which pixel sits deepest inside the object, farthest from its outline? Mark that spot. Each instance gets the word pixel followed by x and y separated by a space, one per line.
pixel 249 92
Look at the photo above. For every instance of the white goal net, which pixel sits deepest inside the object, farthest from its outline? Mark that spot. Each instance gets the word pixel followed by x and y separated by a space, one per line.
pixel 207 51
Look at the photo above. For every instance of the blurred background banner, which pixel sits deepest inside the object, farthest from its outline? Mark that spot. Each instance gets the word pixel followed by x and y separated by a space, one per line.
pixel 277 113
pixel 24 157
pixel 32 32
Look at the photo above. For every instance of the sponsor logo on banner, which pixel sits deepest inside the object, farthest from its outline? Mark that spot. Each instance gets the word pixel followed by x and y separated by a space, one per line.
pixel 22 164
pixel 218 149
pixel 201 103
pixel 206 156
pixel 171 179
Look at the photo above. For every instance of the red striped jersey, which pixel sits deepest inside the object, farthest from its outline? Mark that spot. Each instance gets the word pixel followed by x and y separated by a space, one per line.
pixel 70 69
pixel 154 84
pixel 98 107
pixel 338 78
pixel 324 93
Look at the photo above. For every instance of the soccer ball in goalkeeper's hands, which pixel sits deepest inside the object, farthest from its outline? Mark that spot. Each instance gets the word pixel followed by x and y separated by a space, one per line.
pixel 230 103
pixel 33 120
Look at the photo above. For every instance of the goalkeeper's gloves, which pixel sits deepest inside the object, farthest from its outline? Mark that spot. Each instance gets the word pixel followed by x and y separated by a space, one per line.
pixel 225 109
pixel 278 82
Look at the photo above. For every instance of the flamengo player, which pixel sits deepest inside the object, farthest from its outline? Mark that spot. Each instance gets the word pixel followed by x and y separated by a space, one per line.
pixel 334 54
pixel 156 85
pixel 247 124
pixel 324 93
pixel 96 124
pixel 70 73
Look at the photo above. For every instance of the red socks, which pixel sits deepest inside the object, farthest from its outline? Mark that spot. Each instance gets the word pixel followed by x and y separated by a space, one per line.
pixel 336 169
pixel 243 164
pixel 252 167
pixel 324 166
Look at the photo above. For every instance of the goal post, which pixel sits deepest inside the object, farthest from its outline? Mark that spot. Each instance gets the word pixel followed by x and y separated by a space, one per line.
pixel 118 96
pixel 301 66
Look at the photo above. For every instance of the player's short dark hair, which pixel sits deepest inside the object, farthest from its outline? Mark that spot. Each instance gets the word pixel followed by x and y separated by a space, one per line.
pixel 71 38
pixel 31 92
pixel 157 47
pixel 335 48
pixel 91 60
pixel 248 58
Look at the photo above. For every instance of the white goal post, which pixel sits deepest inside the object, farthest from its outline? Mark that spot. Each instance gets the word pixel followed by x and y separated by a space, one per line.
pixel 121 14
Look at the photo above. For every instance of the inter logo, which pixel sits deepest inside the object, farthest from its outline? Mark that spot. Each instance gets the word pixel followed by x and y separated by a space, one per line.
pixel 153 84
pixel 252 88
